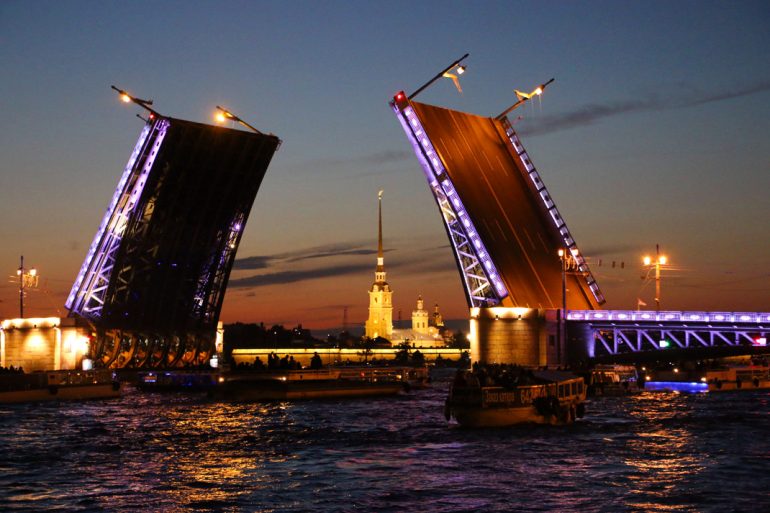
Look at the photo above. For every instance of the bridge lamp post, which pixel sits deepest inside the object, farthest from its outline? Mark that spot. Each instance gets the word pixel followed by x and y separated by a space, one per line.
pixel 223 115
pixel 145 104
pixel 524 97
pixel 649 265
pixel 563 328
pixel 456 66
pixel 27 279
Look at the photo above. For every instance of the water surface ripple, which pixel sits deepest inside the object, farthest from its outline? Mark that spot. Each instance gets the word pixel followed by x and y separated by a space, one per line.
pixel 660 451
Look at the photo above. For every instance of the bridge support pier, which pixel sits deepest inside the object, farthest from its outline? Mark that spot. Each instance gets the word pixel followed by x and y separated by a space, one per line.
pixel 523 336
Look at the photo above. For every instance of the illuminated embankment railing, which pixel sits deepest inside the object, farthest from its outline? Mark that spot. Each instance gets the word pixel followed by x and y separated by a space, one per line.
pixel 482 281
pixel 614 332
pixel 550 206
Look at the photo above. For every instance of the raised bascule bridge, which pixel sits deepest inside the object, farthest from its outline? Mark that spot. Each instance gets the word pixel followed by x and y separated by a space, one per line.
pixel 520 267
pixel 152 284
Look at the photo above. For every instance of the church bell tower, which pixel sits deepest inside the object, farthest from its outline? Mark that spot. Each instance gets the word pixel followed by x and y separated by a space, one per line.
pixel 380 322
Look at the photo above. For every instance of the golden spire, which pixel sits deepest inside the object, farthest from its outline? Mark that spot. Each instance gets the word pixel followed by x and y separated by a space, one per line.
pixel 380 256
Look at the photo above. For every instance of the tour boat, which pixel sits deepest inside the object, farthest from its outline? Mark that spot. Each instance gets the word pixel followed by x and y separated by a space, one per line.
pixel 280 384
pixel 304 384
pixel 537 397
pixel 613 380
pixel 747 377
pixel 61 385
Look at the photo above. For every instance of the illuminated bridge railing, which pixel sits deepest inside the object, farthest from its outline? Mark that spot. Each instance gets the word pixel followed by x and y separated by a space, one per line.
pixel 614 332
pixel 666 316
pixel 481 279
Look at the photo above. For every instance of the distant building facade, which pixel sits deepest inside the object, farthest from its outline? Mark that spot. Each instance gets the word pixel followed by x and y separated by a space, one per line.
pixel 423 333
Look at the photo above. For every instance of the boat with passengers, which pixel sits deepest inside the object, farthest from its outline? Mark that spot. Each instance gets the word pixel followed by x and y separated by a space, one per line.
pixel 61 385
pixel 506 395
pixel 613 380
pixel 739 377
pixel 249 384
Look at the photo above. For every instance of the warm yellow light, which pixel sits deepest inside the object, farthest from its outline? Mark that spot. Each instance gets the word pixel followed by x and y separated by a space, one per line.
pixel 126 98
pixel 460 70
pixel 220 117
pixel 18 272
pixel 538 91
pixel 649 378
pixel 561 253
pixel 647 260
pixel 32 272
pixel 662 260
pixel 676 370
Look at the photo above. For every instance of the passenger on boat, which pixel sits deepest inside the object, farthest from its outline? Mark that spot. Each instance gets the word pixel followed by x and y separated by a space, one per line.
pixel 315 361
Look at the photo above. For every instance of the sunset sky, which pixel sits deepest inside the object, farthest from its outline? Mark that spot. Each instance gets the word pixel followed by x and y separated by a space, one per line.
pixel 656 131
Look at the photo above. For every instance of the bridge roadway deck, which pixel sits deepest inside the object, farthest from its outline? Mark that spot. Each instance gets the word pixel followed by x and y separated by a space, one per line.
pixel 517 231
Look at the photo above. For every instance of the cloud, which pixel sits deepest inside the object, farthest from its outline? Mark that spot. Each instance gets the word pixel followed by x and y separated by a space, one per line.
pixel 283 277
pixel 323 251
pixel 377 158
pixel 252 262
pixel 591 113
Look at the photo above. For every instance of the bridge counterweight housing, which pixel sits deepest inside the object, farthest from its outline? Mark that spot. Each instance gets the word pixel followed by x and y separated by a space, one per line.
pixel 154 278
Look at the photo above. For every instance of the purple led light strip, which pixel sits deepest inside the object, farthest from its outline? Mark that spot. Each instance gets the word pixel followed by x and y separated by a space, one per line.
pixel 98 265
pixel 108 215
pixel 442 187
pixel 669 316
pixel 550 206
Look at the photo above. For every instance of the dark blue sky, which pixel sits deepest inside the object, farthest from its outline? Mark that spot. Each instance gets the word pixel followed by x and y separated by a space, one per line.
pixel 655 131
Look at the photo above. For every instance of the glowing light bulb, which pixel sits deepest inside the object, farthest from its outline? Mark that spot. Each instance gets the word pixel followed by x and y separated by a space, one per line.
pixel 220 117
pixel 126 98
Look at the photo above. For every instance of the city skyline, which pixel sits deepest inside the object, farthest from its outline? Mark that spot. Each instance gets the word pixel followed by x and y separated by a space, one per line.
pixel 642 140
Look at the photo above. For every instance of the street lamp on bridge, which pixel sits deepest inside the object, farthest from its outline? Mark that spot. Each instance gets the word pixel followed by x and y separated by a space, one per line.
pixel 223 115
pixel 446 73
pixel 145 104
pixel 649 266
pixel 27 279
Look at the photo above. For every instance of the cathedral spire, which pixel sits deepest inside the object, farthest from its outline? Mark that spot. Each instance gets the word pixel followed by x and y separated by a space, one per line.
pixel 380 257
pixel 380 322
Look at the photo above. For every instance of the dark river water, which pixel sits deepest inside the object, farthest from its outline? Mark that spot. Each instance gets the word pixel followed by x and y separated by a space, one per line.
pixel 660 451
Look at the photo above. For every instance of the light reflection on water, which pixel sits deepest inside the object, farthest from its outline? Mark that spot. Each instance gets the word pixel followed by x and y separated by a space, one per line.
pixel 659 451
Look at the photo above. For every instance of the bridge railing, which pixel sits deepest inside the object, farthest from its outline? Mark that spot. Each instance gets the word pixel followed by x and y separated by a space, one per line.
pixel 683 317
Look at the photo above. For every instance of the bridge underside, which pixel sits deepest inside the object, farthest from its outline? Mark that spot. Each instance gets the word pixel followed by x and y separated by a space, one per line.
pixel 153 282
pixel 503 225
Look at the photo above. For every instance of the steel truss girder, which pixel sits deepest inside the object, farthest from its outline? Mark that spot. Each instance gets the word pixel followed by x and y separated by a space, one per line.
pixel 632 339
pixel 87 295
pixel 481 281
